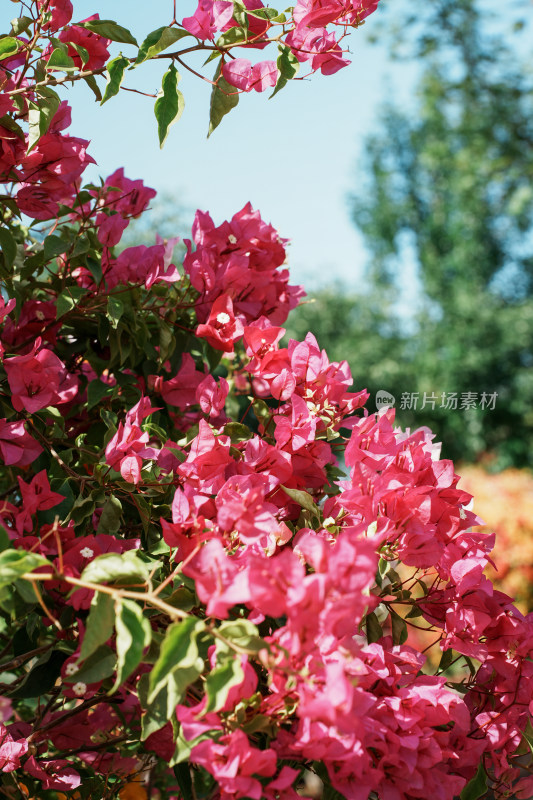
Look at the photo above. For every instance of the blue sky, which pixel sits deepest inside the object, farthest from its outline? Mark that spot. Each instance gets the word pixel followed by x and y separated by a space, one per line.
pixel 294 157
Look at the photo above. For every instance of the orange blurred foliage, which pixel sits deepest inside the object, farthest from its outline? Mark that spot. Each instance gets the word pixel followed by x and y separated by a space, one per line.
pixel 504 501
pixel 133 791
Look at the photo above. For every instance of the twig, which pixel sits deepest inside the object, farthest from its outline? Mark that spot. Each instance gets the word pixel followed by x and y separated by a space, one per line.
pixel 19 660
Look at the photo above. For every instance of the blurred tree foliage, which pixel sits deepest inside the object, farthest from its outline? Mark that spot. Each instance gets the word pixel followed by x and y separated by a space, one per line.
pixel 448 186
pixel 167 215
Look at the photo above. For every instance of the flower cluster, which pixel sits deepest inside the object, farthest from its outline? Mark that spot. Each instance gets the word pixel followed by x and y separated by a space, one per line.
pixel 313 36
pixel 47 48
pixel 219 573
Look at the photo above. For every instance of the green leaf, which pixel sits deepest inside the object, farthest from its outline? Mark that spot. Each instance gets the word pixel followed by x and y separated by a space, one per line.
pixel 169 106
pixel 399 628
pixel 96 391
pixel 154 715
pixel 470 665
pixel 182 773
pixel 237 432
pixel 26 592
pixel 54 246
pixel 179 663
pixel 90 80
pixel 134 633
pixel 167 341
pixel 100 624
pixel 374 631
pixel 61 61
pixel 220 680
pixel 223 98
pixel 477 787
pixel 68 300
pixel 111 420
pixel 21 24
pixel 303 499
pixel 328 792
pixel 527 735
pixel 81 51
pixel 181 598
pixel 264 13
pixel 288 66
pixel 5 541
pixel 109 29
pixel 239 14
pixel 235 35
pixel 446 659
pixel 115 309
pixel 9 46
pixel 83 507
pixel 97 667
pixel 115 75
pixel 14 563
pixel 242 633
pixel 114 568
pixel 111 516
pixel 40 114
pixel 8 122
pixel 42 676
pixel 9 247
pixel 10 203
pixel 211 356
pixel 157 41
pixel 95 268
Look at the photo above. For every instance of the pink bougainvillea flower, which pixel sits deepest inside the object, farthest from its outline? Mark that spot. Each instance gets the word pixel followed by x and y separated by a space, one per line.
pixel 128 197
pixel 53 773
pixel 222 328
pixel 233 762
pixel 319 13
pixel 60 14
pixel 317 46
pixel 211 396
pixel 111 228
pixel 11 750
pixel 138 265
pixel 6 710
pixel 240 73
pixel 6 308
pixel 210 16
pixel 39 379
pixel 180 391
pixel 240 258
pixel 36 496
pixel 95 45
pixel 16 444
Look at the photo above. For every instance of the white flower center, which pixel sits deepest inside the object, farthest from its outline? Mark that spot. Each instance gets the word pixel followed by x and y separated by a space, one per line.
pixel 232 239
pixel 71 669
pixel 223 318
pixel 79 688
pixel 87 552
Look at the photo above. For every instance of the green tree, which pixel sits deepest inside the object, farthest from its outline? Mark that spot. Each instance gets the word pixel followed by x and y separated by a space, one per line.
pixel 361 329
pixel 449 185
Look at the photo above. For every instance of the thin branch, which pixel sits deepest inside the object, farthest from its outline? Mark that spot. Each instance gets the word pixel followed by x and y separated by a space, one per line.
pixel 20 660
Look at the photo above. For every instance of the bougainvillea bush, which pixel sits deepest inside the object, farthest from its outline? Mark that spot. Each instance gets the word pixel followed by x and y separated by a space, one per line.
pixel 196 602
